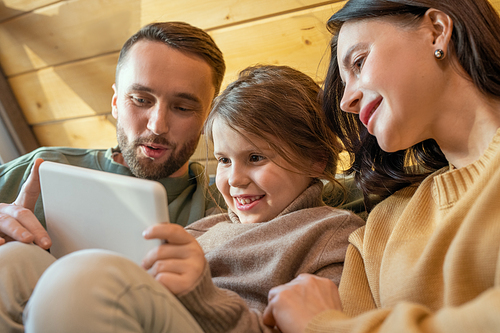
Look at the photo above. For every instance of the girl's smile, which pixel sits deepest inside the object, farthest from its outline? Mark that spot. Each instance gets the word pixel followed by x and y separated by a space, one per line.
pixel 257 184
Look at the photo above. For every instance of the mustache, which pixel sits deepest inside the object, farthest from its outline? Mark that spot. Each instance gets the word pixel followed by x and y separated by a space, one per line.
pixel 153 139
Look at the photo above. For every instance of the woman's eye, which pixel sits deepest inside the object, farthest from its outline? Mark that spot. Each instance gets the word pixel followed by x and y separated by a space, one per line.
pixel 358 64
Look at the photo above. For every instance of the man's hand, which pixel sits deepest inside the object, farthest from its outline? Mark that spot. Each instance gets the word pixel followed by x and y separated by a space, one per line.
pixel 178 264
pixel 291 306
pixel 17 221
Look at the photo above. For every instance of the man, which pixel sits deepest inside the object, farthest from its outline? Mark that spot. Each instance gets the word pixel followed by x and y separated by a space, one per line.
pixel 166 78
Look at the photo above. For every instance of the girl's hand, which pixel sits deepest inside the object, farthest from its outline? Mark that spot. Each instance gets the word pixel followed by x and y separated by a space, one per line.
pixel 291 306
pixel 17 221
pixel 178 264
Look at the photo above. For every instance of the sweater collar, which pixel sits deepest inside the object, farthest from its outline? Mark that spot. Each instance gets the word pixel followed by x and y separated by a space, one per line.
pixel 450 183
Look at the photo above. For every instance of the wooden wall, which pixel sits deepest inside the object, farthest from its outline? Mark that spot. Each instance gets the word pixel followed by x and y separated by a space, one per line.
pixel 59 56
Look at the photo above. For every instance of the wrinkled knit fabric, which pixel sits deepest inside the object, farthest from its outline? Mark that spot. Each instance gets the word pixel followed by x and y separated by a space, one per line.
pixel 244 261
pixel 428 258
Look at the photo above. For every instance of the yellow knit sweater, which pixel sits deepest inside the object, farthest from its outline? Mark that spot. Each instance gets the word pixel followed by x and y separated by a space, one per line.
pixel 428 258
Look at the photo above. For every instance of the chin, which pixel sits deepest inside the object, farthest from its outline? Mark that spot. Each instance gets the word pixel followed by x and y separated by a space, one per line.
pixel 249 220
pixel 388 148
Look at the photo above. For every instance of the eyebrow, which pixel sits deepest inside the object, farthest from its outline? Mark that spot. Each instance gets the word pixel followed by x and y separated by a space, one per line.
pixel 183 95
pixel 140 87
pixel 189 97
pixel 348 55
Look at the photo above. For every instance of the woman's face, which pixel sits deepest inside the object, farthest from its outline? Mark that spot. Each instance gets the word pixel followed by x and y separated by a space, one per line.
pixel 392 80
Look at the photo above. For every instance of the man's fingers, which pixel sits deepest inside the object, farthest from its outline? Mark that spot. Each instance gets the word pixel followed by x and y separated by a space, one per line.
pixel 31 188
pixel 10 229
pixel 22 225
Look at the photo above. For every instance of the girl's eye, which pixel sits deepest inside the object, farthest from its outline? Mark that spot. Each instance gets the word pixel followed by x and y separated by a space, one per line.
pixel 256 158
pixel 223 160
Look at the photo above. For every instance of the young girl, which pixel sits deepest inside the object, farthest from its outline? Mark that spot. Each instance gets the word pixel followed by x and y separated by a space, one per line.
pixel 273 150
pixel 421 83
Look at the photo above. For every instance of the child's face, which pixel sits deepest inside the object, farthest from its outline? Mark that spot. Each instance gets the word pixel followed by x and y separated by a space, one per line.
pixel 256 182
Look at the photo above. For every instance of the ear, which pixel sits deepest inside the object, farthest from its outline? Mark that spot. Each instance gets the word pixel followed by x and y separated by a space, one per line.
pixel 114 109
pixel 441 26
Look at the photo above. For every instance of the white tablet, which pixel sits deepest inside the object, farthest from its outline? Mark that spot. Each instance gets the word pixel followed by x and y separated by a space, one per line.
pixel 86 209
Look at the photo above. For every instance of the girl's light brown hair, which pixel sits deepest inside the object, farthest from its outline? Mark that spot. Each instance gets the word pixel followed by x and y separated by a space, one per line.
pixel 283 106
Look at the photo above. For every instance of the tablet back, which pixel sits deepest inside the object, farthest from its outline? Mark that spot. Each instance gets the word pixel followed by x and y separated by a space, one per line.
pixel 86 208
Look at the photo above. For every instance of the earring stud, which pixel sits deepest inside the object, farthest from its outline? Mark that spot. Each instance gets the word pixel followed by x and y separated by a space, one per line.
pixel 439 54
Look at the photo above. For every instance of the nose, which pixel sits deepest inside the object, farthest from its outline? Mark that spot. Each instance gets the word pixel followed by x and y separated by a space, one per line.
pixel 351 99
pixel 158 120
pixel 238 176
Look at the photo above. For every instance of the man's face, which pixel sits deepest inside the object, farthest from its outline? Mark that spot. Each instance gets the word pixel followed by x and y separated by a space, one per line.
pixel 162 97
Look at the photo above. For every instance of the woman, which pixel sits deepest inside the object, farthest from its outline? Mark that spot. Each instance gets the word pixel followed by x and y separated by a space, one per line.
pixel 420 82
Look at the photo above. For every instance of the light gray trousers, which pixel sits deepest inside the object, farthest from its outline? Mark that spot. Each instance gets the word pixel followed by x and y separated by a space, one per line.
pixel 86 291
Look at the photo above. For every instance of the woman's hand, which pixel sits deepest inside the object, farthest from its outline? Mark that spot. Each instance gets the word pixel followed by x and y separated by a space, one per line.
pixel 178 264
pixel 291 306
pixel 17 221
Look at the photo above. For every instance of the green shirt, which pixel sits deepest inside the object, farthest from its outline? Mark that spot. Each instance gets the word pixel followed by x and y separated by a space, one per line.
pixel 189 196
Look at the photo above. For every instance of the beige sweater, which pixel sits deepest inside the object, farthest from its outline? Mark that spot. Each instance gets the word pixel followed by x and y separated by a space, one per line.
pixel 428 258
pixel 247 260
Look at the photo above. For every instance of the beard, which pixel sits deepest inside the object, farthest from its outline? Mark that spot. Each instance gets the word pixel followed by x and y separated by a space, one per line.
pixel 144 167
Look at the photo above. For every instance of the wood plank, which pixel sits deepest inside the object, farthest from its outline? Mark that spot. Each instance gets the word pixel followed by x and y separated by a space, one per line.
pixel 210 14
pixel 496 4
pixel 69 91
pixel 91 132
pixel 299 40
pixel 84 88
pixel 66 31
pixel 73 30
pixel 12 8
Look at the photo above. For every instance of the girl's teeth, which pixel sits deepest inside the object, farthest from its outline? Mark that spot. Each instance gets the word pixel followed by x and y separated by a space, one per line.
pixel 246 201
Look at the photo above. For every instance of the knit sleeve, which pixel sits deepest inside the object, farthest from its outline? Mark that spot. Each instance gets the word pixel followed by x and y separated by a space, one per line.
pixel 220 310
pixel 478 315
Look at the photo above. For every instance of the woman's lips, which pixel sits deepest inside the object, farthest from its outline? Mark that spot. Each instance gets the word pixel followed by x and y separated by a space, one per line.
pixel 367 112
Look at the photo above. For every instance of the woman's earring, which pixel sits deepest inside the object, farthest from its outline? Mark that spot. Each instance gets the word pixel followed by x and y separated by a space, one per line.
pixel 439 54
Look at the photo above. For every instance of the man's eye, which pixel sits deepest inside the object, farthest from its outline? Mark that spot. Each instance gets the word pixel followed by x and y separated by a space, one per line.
pixel 139 101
